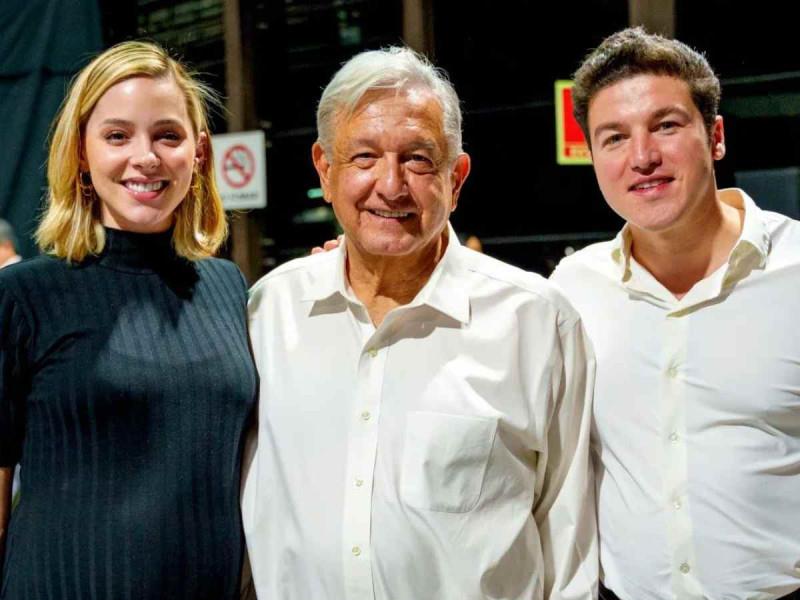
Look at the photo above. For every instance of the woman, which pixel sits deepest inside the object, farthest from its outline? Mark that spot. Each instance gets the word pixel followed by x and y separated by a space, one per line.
pixel 126 381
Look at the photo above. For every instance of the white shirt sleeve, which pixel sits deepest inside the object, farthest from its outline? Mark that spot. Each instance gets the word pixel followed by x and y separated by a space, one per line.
pixel 565 509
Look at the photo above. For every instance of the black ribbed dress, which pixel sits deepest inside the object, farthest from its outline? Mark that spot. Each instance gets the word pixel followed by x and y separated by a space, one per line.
pixel 126 387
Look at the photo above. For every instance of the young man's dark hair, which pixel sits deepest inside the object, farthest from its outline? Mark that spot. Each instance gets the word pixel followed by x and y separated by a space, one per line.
pixel 632 52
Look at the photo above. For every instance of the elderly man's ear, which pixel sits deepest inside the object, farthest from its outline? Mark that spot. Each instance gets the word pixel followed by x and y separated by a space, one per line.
pixel 323 166
pixel 458 175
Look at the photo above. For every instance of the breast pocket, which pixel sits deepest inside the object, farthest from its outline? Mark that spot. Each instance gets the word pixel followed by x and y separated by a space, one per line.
pixel 444 460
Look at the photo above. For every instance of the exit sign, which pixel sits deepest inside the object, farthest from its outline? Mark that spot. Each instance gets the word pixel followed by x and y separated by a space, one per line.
pixel 571 146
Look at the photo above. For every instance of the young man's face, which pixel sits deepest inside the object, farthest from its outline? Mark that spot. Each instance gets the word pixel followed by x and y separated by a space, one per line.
pixel 651 151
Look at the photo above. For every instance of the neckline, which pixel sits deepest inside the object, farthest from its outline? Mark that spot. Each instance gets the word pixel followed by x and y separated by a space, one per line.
pixel 138 252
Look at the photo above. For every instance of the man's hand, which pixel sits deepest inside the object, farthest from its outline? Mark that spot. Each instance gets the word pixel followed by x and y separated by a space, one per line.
pixel 326 247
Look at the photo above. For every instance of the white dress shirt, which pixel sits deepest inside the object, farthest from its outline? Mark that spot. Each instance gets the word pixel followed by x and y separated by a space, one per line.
pixel 443 455
pixel 697 416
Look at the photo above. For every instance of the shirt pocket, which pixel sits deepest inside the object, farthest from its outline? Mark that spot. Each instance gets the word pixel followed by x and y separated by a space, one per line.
pixel 444 460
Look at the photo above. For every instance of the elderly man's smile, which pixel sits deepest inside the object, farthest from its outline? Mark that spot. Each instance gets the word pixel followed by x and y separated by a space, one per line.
pixel 389 214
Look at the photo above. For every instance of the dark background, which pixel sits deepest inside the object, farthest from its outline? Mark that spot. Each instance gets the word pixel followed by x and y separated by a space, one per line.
pixel 503 58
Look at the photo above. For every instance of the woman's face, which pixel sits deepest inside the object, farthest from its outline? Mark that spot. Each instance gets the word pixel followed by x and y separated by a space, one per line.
pixel 140 151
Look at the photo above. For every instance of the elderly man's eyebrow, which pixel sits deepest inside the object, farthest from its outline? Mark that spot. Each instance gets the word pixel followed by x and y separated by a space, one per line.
pixel 425 145
pixel 358 142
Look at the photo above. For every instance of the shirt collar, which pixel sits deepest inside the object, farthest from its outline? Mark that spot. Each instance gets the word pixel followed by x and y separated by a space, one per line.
pixel 752 247
pixel 444 290
pixel 331 281
pixel 621 252
pixel 11 261
pixel 754 239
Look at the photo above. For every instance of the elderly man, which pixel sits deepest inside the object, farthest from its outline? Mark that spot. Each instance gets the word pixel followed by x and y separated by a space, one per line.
pixel 691 312
pixel 424 412
pixel 8 245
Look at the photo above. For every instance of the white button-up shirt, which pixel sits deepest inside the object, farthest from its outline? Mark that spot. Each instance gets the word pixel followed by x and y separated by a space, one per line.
pixel 443 455
pixel 697 414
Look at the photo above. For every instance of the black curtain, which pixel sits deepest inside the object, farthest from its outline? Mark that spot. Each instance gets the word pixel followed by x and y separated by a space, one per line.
pixel 43 43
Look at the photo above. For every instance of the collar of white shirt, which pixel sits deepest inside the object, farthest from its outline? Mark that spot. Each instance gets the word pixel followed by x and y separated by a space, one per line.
pixel 750 252
pixel 11 261
pixel 443 291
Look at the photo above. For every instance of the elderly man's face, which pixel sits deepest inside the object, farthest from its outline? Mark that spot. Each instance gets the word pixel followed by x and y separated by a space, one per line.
pixel 389 180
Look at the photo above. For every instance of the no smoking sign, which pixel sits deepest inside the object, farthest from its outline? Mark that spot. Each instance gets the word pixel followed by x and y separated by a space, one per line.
pixel 241 169
pixel 238 166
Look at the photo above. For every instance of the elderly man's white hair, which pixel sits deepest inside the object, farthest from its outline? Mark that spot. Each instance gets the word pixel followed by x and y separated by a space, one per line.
pixel 394 68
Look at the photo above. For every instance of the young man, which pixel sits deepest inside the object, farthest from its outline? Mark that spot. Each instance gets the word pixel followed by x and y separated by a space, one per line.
pixel 690 310
pixel 424 409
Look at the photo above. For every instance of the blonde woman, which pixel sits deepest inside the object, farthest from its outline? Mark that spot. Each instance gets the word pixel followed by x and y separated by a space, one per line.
pixel 126 382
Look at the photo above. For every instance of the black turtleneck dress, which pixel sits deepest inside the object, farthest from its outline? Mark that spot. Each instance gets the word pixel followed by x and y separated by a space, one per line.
pixel 126 387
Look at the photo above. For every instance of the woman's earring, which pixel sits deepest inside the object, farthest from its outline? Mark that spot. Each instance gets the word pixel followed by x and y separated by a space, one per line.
pixel 85 183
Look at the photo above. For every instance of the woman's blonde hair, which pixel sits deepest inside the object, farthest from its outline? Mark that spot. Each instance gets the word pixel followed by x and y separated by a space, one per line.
pixel 70 227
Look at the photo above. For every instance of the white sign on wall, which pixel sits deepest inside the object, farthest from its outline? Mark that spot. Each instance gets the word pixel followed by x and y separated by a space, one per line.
pixel 241 168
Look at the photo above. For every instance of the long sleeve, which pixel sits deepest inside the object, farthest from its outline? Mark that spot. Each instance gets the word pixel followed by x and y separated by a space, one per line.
pixel 565 511
pixel 14 333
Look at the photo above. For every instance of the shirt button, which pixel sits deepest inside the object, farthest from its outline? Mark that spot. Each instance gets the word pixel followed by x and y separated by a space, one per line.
pixel 357 551
pixel 685 568
pixel 673 437
pixel 365 416
pixel 373 352
pixel 677 504
pixel 359 482
pixel 672 371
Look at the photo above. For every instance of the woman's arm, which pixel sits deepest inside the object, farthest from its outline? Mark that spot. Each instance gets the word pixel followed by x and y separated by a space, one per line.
pixel 6 479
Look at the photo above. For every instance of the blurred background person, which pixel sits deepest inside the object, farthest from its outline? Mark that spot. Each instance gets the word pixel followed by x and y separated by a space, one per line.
pixel 473 242
pixel 8 257
pixel 126 381
pixel 8 245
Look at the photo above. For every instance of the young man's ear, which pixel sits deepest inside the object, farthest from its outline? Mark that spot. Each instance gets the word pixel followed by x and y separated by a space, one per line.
pixel 718 139
pixel 323 167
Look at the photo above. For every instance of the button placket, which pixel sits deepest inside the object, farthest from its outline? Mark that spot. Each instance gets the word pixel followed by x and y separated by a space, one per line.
pixel 362 452
pixel 673 400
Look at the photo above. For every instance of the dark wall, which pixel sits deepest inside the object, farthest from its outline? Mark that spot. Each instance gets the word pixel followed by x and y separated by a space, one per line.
pixel 42 44
pixel 504 62
pixel 503 59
